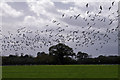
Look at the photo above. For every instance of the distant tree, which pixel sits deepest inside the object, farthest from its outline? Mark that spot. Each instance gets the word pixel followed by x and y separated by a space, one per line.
pixel 21 54
pixel 61 51
pixel 41 53
pixel 73 55
pixel 26 56
pixel 81 55
pixel 11 56
pixel 38 54
pixel 44 58
pixel 102 59
pixel 101 56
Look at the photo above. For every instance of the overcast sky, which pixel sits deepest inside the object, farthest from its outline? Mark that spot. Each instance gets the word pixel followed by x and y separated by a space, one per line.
pixel 38 15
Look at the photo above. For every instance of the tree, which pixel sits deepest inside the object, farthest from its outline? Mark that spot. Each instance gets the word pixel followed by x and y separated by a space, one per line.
pixel 38 54
pixel 61 51
pixel 41 53
pixel 21 54
pixel 81 55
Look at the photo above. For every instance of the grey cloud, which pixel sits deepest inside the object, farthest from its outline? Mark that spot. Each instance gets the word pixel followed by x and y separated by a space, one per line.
pixel 73 26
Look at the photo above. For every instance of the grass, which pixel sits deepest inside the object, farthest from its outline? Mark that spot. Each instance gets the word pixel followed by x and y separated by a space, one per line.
pixel 60 71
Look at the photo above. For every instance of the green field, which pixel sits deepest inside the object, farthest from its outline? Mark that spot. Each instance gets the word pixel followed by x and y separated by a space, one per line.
pixel 61 71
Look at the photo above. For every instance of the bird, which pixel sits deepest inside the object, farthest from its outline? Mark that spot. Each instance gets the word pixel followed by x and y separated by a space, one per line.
pixel 47 25
pixel 113 3
pixel 58 23
pixel 99 12
pixel 87 5
pixel 66 25
pixel 87 12
pixel 70 17
pixel 63 15
pixel 109 8
pixel 101 7
pixel 77 16
pixel 110 22
pixel 54 21
pixel 89 27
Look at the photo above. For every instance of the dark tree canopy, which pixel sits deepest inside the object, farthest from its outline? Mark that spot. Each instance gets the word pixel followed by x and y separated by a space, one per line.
pixel 41 53
pixel 81 55
pixel 61 51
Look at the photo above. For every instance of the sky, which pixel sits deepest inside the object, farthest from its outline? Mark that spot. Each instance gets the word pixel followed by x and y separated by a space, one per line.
pixel 39 15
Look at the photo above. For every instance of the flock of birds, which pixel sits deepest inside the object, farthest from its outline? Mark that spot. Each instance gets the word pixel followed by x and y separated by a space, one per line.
pixel 88 36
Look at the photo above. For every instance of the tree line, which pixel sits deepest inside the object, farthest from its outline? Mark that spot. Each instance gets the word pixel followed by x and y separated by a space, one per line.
pixel 59 54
